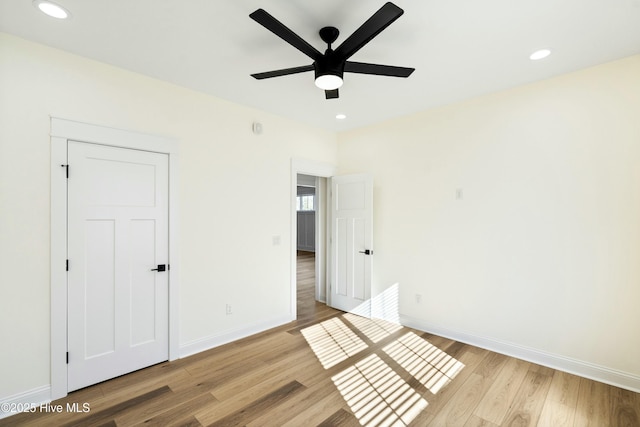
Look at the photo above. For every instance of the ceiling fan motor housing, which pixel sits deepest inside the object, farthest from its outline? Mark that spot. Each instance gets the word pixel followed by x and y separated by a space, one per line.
pixel 329 64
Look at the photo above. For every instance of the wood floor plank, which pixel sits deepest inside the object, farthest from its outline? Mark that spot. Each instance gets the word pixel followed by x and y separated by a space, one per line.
pixel 529 400
pixel 475 421
pixel 492 365
pixel 189 421
pixel 557 414
pixel 232 388
pixel 129 406
pixel 625 408
pixel 496 402
pixel 142 380
pixel 340 418
pixel 251 393
pixel 255 409
pixel 560 405
pixel 299 403
pixel 236 356
pixel 472 361
pixel 180 414
pixel 298 348
pixel 594 404
pixel 457 410
pixel 564 388
pixel 318 412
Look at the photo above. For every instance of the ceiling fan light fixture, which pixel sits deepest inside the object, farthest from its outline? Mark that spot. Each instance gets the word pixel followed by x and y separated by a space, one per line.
pixel 540 54
pixel 329 81
pixel 52 9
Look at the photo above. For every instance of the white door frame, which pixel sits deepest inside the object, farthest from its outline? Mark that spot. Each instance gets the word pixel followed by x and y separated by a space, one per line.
pixel 319 169
pixel 61 131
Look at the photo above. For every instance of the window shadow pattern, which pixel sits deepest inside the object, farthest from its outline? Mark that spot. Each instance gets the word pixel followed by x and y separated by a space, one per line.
pixel 375 364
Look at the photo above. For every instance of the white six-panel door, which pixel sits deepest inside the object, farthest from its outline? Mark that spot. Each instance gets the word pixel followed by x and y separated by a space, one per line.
pixel 117 233
pixel 351 243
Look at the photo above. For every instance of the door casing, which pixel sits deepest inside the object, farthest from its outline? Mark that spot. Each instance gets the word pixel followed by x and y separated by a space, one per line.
pixel 63 130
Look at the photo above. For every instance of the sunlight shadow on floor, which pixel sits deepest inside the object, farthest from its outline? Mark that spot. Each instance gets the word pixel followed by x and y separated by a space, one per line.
pixel 378 392
pixel 332 341
pixel 377 395
pixel 375 329
pixel 427 363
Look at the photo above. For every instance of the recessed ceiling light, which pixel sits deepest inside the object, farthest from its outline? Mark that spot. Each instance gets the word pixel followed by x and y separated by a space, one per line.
pixel 341 116
pixel 540 54
pixel 52 9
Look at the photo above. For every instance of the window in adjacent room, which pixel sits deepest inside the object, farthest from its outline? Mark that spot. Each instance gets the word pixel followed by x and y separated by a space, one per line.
pixel 306 202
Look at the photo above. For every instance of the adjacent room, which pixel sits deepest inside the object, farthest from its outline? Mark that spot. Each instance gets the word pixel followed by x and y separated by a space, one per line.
pixel 320 213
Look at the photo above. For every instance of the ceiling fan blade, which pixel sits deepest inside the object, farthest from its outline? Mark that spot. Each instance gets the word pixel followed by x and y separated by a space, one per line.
pixel 376 69
pixel 279 29
pixel 283 72
pixel 331 94
pixel 367 31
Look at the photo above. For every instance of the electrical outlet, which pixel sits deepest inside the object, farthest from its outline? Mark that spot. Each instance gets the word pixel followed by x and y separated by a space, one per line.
pixel 418 298
pixel 229 309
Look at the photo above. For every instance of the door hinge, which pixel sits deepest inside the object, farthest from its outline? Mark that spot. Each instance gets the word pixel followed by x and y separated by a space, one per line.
pixel 67 265
pixel 67 357
pixel 67 167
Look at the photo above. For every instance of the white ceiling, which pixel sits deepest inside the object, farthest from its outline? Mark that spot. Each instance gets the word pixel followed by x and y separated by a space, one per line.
pixel 460 48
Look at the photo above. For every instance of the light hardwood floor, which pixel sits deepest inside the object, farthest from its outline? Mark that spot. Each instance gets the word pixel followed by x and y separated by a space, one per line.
pixel 329 368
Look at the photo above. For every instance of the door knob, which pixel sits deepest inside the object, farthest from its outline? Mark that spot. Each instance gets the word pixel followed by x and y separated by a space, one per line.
pixel 367 252
pixel 161 267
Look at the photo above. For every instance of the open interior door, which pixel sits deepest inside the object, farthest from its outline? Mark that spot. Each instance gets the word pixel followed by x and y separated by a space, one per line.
pixel 351 248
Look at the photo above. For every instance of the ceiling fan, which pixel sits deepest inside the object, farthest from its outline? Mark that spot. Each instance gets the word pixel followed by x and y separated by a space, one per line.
pixel 330 66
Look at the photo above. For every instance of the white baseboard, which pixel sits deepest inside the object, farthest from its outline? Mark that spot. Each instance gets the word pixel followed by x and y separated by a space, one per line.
pixel 562 363
pixel 207 343
pixel 24 401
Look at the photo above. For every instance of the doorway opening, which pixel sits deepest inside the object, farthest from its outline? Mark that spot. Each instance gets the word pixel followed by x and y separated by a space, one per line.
pixel 310 245
pixel 320 172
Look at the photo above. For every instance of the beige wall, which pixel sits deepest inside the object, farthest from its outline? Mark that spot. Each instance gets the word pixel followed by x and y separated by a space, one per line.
pixel 543 250
pixel 226 251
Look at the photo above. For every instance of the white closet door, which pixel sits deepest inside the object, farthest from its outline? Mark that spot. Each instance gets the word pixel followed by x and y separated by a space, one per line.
pixel 118 234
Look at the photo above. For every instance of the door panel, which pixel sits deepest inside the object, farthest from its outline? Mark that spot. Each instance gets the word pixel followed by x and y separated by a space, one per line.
pixel 143 289
pixel 350 195
pixel 99 291
pixel 341 257
pixel 352 235
pixel 120 183
pixel 359 260
pixel 118 232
